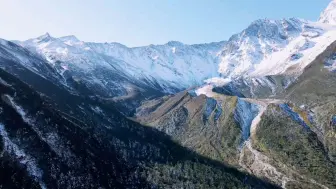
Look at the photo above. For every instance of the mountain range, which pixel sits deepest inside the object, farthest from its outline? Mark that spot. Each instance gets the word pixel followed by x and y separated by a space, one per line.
pixel 254 111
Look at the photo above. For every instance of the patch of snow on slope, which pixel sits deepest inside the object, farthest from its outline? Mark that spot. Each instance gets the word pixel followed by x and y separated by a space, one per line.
pixel 97 109
pixel 63 51
pixel 210 84
pixel 70 40
pixel 244 114
pixel 205 90
pixel 174 50
pixel 3 82
pixel 257 119
pixel 210 106
pixel 18 109
pixel 23 158
pixel 294 115
pixel 330 63
pixel 304 45
pixel 217 81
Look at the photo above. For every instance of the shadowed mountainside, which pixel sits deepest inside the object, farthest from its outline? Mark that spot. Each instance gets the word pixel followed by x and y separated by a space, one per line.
pixel 43 147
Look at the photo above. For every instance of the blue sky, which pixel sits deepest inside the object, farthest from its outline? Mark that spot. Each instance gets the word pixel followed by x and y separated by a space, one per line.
pixel 143 22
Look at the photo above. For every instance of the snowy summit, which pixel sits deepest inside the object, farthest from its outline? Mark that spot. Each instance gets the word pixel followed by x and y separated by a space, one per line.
pixel 328 16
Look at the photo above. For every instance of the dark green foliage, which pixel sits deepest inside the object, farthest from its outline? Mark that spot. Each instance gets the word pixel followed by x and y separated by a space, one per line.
pixel 287 142
pixel 80 148
pixel 213 135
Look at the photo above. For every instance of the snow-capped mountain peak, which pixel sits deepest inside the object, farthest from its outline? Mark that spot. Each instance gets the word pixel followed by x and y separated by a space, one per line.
pixel 174 43
pixel 173 65
pixel 259 41
pixel 265 47
pixel 70 39
pixel 328 16
pixel 44 37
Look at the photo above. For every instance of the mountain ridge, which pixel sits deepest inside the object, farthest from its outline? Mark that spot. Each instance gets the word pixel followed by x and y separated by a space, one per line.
pixel 256 111
pixel 248 52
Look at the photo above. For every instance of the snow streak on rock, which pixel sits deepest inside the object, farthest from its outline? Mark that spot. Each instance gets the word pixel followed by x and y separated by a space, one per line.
pixel 244 114
pixel 294 115
pixel 210 106
pixel 330 63
pixel 51 138
pixel 18 109
pixel 3 82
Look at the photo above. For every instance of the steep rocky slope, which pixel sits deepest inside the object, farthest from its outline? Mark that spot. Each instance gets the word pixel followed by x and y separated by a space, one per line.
pixel 270 138
pixel 279 127
pixel 285 133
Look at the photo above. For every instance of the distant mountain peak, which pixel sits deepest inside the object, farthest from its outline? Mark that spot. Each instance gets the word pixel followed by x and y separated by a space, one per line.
pixel 174 43
pixel 270 27
pixel 328 16
pixel 44 36
pixel 69 40
pixel 69 37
